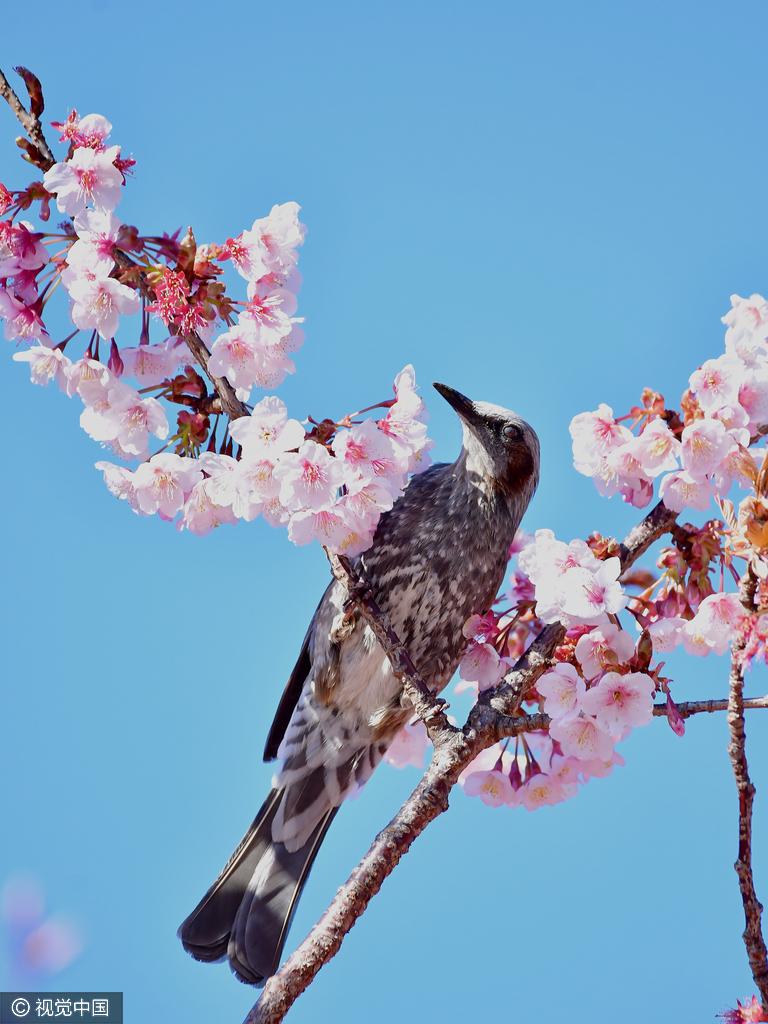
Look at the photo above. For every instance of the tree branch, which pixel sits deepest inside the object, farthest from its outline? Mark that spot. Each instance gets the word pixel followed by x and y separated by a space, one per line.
pixel 753 935
pixel 29 122
pixel 453 752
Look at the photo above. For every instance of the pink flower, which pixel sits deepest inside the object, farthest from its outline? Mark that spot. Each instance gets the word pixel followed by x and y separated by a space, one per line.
pixel 363 504
pixel 324 525
pixel 481 667
pixel 267 432
pixel 657 449
pixel 45 365
pixel 716 383
pixel 493 787
pixel 94 249
pixel 582 738
pixel 620 702
pixel 720 617
pixel 541 790
pixel 747 329
pixel 91 130
pixel 603 647
pixel 405 423
pixel 151 364
pixel 99 303
pixel 705 444
pixel 119 481
pixel 21 248
pixel 562 690
pixel 588 596
pixel 88 177
pixel 276 238
pixel 409 746
pixel 753 396
pixel 164 482
pixel 680 490
pixel 594 435
pixel 666 633
pixel 368 451
pixel 749 1012
pixel 21 321
pixel 201 514
pixel 309 478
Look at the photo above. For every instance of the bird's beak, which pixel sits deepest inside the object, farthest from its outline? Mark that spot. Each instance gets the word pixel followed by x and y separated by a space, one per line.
pixel 460 403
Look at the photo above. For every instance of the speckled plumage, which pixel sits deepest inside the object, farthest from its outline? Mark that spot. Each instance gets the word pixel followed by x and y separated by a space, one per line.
pixel 438 556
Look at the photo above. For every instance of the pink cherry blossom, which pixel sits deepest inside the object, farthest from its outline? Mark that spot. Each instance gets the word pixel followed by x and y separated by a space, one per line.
pixel 409 746
pixel 200 513
pixel 666 633
pixel 657 449
pixel 541 790
pixel 716 383
pixel 603 647
pixel 680 490
pixel 705 444
pixel 99 303
pixel 587 596
pixel 594 435
pixel 309 478
pixel 151 364
pixel 720 617
pixel 582 737
pixel 89 177
pixel 562 689
pixel 620 702
pixel 21 321
pixel 45 365
pixel 405 422
pixel 324 525
pixel 276 238
pixel 94 250
pixel 164 482
pixel 267 432
pixel 119 481
pixel 21 248
pixel 481 667
pixel 369 452
pixel 493 787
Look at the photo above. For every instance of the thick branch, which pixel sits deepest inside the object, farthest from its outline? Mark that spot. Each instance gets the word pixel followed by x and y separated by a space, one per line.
pixel 453 752
pixel 29 122
pixel 753 935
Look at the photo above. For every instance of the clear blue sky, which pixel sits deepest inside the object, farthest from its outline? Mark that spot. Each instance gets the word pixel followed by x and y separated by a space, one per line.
pixel 544 205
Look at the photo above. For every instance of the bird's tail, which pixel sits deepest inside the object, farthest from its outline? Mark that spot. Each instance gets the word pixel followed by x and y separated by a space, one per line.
pixel 246 913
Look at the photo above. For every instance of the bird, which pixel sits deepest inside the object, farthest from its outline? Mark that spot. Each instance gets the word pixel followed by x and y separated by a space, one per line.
pixel 438 556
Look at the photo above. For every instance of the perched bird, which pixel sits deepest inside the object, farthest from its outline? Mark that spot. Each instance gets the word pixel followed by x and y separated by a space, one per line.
pixel 437 557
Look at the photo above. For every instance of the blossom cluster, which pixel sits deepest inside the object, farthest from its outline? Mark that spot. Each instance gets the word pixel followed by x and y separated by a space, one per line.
pixel 329 481
pixel 700 454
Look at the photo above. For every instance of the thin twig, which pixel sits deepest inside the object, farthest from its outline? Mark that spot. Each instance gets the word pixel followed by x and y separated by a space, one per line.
pixel 29 122
pixel 753 935
pixel 453 752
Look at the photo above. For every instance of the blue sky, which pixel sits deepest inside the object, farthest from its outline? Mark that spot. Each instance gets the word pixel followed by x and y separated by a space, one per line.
pixel 544 205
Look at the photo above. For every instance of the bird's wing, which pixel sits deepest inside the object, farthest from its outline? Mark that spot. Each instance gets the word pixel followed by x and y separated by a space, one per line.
pixel 292 691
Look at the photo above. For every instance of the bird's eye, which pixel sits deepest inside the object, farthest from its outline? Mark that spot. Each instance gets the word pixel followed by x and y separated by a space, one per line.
pixel 512 432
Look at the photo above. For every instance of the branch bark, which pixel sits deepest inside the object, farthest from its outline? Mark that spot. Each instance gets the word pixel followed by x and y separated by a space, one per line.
pixel 454 749
pixel 753 934
pixel 28 121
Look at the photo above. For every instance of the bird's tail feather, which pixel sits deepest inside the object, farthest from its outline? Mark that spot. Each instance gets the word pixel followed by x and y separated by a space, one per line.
pixel 247 911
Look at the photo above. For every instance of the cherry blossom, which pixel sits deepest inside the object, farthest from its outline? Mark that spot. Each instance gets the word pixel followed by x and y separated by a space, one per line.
pixel 481 667
pixel 89 177
pixel 409 746
pixel 163 483
pixel 603 647
pixel 582 737
pixel 620 702
pixel 705 443
pixel 680 490
pixel 99 303
pixel 595 434
pixel 267 432
pixel 562 689
pixel 309 478
pixel 94 250
pixel 493 787
pixel 21 321
pixel 45 365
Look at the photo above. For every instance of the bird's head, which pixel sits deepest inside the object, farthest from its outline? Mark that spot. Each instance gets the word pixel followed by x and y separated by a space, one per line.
pixel 499 446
